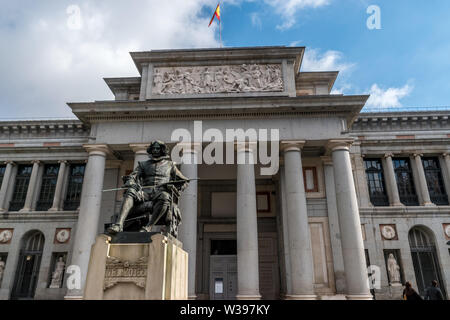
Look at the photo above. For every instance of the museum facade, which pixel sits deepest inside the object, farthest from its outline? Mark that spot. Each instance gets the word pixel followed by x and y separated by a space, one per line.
pixel 353 194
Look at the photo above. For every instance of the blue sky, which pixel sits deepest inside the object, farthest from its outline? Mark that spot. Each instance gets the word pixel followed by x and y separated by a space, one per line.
pixel 53 52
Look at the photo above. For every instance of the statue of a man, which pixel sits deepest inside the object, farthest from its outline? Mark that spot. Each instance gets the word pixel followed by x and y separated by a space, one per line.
pixel 394 269
pixel 155 176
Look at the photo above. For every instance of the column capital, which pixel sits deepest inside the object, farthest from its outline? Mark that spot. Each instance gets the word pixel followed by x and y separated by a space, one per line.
pixel 247 146
pixel 36 162
pixel 417 155
pixel 63 161
pixel 340 144
pixel 98 149
pixel 388 155
pixel 113 164
pixel 10 162
pixel 139 148
pixel 446 154
pixel 292 145
pixel 327 161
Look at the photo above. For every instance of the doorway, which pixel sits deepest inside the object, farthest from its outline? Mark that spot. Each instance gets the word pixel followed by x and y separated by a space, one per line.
pixel 223 270
pixel 28 266
pixel 425 260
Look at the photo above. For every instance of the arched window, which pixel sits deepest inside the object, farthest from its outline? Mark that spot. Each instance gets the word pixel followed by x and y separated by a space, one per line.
pixel 29 264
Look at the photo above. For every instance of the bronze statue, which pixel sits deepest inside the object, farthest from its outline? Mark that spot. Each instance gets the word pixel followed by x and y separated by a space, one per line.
pixel 152 189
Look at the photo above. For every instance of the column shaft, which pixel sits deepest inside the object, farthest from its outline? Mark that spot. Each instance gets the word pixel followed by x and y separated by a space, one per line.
pixel 302 273
pixel 140 153
pixel 422 181
pixel 247 229
pixel 446 173
pixel 350 225
pixel 31 187
pixel 5 185
pixel 188 207
pixel 56 206
pixel 89 215
pixel 391 182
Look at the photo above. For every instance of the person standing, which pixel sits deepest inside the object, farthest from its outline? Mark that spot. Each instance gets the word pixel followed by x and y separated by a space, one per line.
pixel 433 292
pixel 409 293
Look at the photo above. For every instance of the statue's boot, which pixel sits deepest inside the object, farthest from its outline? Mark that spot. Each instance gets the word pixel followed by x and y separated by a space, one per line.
pixel 159 211
pixel 114 228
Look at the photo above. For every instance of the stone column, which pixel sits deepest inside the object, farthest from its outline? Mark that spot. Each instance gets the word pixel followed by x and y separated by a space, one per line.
pixel 5 186
pixel 446 171
pixel 422 181
pixel 287 255
pixel 391 182
pixel 302 272
pixel 349 222
pixel 140 153
pixel 333 222
pixel 89 215
pixel 188 207
pixel 31 187
pixel 247 227
pixel 59 186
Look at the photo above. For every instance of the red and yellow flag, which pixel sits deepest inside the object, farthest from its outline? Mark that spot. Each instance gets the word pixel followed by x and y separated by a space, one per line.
pixel 216 14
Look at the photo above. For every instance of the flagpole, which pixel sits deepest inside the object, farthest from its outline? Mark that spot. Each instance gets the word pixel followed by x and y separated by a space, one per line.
pixel 220 25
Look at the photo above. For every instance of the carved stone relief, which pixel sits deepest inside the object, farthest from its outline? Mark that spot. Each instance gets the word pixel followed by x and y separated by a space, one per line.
pixel 218 79
pixel 125 271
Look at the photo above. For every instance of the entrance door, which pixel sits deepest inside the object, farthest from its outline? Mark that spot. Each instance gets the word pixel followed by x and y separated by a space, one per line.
pixel 28 267
pixel 425 261
pixel 223 270
pixel 223 277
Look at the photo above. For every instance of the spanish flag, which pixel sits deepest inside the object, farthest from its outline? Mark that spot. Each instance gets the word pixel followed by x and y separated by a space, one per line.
pixel 216 14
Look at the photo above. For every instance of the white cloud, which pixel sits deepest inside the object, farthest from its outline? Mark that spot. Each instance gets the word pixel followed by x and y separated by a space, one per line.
pixel 47 63
pixel 256 20
pixel 385 98
pixel 288 9
pixel 331 60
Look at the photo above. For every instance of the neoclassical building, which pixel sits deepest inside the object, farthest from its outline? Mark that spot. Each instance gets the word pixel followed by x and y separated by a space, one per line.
pixel 353 189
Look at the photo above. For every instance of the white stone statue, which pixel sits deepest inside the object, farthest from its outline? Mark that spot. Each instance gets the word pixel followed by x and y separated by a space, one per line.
pixel 57 275
pixel 393 269
pixel 2 269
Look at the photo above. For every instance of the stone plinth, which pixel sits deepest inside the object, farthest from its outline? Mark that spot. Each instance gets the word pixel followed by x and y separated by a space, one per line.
pixel 156 270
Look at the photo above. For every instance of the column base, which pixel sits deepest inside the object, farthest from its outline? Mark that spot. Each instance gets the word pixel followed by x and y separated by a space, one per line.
pixel 359 297
pixel 248 297
pixel 300 297
pixel 25 210
pixel 74 298
pixel 53 210
pixel 193 297
pixel 429 204
pixel 398 204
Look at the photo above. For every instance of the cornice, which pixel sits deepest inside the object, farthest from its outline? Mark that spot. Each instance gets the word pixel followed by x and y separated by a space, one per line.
pixel 216 108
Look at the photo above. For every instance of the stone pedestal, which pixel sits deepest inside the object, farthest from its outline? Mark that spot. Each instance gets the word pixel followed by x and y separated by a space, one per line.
pixel 156 269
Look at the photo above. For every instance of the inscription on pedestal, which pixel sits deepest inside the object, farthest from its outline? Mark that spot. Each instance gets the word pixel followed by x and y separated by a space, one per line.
pixel 124 271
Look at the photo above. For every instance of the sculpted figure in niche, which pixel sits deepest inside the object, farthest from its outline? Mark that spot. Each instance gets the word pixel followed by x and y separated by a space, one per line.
pixel 2 270
pixel 57 275
pixel 393 269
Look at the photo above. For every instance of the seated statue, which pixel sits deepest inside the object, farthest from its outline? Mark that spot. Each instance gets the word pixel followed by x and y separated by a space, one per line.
pixel 152 189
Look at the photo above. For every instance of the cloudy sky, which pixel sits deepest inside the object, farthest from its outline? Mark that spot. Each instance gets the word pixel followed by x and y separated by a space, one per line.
pixel 53 52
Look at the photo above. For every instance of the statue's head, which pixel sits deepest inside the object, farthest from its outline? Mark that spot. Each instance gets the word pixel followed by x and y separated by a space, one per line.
pixel 158 149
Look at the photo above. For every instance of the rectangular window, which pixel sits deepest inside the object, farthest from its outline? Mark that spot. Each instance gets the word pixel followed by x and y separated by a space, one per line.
pixel 21 187
pixel 2 174
pixel 405 182
pixel 73 196
pixel 48 187
pixel 375 180
pixel 435 181
pixel 310 179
